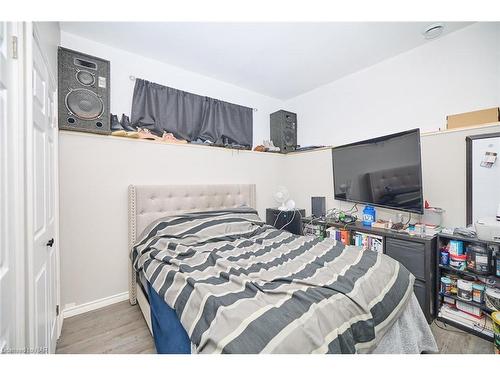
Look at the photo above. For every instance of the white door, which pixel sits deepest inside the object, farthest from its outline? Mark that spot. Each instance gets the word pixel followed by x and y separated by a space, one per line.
pixel 41 177
pixel 7 256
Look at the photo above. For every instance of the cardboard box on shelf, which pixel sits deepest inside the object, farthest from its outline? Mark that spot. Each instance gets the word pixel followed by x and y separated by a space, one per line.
pixel 463 120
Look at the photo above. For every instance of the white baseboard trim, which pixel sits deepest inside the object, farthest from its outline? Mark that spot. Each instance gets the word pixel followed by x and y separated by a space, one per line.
pixel 93 305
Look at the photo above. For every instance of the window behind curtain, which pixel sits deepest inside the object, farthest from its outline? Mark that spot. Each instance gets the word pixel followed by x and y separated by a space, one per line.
pixel 190 116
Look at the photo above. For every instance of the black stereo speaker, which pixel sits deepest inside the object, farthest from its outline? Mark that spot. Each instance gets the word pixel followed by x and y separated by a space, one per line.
pixel 284 130
pixel 318 206
pixel 83 85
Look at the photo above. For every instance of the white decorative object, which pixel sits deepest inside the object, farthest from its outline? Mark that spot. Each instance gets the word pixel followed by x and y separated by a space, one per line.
pixel 290 204
pixel 281 196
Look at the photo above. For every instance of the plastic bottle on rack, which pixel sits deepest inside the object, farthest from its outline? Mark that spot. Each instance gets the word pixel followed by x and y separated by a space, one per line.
pixel 368 216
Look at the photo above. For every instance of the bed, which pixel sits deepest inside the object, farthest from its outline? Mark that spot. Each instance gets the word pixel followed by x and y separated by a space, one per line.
pixel 394 323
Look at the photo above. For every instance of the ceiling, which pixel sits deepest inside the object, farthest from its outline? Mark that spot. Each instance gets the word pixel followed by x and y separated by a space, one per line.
pixel 280 60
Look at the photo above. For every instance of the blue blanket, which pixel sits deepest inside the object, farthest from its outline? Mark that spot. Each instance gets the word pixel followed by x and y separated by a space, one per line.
pixel 169 335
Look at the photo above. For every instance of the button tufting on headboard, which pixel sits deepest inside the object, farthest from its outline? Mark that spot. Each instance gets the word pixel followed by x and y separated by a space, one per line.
pixel 153 201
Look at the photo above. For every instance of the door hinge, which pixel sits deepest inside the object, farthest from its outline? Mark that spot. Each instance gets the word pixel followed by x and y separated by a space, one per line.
pixel 57 310
pixel 14 47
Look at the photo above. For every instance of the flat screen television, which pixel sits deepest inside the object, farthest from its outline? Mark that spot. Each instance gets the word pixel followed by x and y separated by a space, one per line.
pixel 384 172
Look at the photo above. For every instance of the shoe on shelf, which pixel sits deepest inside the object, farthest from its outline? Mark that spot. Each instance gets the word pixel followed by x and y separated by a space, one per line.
pixel 200 141
pixel 269 145
pixel 143 133
pixel 125 123
pixel 170 138
pixel 116 127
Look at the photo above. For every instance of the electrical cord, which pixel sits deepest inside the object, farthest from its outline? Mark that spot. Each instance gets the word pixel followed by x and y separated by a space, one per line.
pixel 301 226
pixel 290 221
pixel 339 215
pixel 277 217
pixel 409 219
pixel 351 211
pixel 449 330
pixel 311 222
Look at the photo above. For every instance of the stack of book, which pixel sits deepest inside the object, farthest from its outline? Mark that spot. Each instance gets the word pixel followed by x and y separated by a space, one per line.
pixel 481 324
pixel 368 241
pixel 342 235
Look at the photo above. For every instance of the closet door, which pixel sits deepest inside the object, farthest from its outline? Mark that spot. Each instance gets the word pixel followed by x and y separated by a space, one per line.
pixel 7 163
pixel 41 195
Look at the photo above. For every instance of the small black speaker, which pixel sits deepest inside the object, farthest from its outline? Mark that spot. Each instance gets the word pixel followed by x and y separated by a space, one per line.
pixel 284 130
pixel 83 85
pixel 318 206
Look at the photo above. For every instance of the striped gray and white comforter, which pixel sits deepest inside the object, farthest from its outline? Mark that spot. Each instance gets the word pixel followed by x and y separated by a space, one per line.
pixel 240 286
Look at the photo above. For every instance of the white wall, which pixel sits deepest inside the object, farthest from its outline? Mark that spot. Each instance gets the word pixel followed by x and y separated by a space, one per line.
pixel 125 64
pixel 50 38
pixel 95 172
pixel 443 174
pixel 457 73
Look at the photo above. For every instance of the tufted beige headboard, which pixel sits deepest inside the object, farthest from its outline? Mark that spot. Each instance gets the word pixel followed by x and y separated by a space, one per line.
pixel 150 202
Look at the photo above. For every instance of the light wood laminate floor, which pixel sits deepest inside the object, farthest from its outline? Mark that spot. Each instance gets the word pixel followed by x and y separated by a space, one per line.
pixel 120 328
pixel 453 341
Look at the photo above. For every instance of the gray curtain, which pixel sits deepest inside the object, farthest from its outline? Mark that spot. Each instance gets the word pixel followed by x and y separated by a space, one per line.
pixel 190 116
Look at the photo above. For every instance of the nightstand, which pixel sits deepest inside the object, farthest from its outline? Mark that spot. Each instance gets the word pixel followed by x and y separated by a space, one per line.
pixel 286 220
